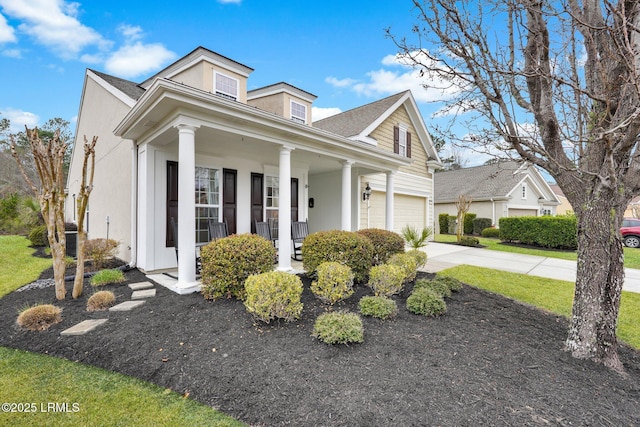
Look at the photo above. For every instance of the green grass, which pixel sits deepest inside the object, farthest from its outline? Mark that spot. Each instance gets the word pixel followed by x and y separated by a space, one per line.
pixel 102 397
pixel 631 255
pixel 553 295
pixel 107 277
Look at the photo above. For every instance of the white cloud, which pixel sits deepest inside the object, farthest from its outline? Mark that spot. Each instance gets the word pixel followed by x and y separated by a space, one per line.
pixel 340 82
pixel 19 119
pixel 130 32
pixel 54 23
pixel 319 113
pixel 12 53
pixel 7 33
pixel 133 60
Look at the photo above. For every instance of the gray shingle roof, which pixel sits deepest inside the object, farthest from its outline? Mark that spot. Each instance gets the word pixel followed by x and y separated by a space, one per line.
pixel 353 122
pixel 131 89
pixel 480 182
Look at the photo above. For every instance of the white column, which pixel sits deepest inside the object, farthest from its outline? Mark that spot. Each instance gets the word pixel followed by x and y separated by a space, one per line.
pixel 284 210
pixel 186 209
pixel 388 225
pixel 346 195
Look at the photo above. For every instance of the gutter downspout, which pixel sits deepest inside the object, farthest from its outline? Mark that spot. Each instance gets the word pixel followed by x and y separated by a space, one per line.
pixel 134 204
pixel 493 212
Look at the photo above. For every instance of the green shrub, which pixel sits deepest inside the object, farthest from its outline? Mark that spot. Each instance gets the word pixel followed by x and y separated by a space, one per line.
pixel 453 224
pixel 346 247
pixel 226 264
pixel 454 284
pixel 101 300
pixel 385 243
pixel 546 231
pixel 335 282
pixel 38 236
pixel 408 264
pixel 100 250
pixel 469 241
pixel 468 223
pixel 419 256
pixel 339 328
pixel 107 277
pixel 443 223
pixel 437 287
pixel 39 317
pixel 490 232
pixel 274 295
pixel 480 224
pixel 426 302
pixel 415 239
pixel 386 279
pixel 380 307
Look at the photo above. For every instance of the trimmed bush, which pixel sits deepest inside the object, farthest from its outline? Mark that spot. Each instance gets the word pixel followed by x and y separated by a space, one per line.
pixel 438 287
pixel 419 256
pixel 385 243
pixel 335 282
pixel 346 247
pixel 480 224
pixel 339 328
pixel 107 277
pixel 274 295
pixel 40 317
pixel 99 250
pixel 454 284
pixel 407 263
pixel 38 236
pixel 490 232
pixel 426 302
pixel 227 262
pixel 100 301
pixel 386 279
pixel 380 307
pixel 468 223
pixel 469 241
pixel 443 223
pixel 558 232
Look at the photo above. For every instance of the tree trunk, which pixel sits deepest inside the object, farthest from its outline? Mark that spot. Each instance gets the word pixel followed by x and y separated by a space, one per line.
pixel 79 279
pixel 600 276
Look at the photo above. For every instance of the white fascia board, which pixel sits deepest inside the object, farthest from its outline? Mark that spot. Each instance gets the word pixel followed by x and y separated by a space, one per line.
pixel 126 99
pixel 277 89
pixel 366 139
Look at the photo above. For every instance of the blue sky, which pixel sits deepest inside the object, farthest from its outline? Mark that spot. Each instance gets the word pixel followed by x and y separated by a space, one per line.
pixel 336 50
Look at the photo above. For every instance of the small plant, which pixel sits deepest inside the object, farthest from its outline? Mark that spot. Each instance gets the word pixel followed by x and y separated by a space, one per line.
pixel 407 263
pixel 38 236
pixel 415 239
pixel 107 277
pixel 385 243
pixel 419 256
pixel 274 295
pixel 490 232
pixel 438 287
pixel 426 302
pixel 346 247
pixel 226 264
pixel 339 328
pixel 99 251
pixel 39 317
pixel 101 300
pixel 454 284
pixel 380 307
pixel 335 282
pixel 469 241
pixel 386 279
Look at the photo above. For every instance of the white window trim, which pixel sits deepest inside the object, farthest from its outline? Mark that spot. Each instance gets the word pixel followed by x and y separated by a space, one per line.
pixel 525 191
pixel 402 139
pixel 210 205
pixel 298 119
pixel 225 94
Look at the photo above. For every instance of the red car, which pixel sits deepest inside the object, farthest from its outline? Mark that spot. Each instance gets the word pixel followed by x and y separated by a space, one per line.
pixel 630 231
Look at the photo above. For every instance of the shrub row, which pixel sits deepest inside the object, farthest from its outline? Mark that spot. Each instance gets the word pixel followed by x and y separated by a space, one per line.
pixel 558 232
pixel 472 225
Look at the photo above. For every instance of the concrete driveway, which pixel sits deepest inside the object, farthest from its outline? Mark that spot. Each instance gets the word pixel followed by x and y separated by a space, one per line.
pixel 442 256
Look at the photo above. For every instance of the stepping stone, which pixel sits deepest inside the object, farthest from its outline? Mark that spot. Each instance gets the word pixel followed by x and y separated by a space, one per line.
pixel 126 306
pixel 146 293
pixel 140 286
pixel 83 327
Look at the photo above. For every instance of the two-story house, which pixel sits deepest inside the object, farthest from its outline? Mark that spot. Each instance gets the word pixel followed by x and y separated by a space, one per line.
pixel 193 144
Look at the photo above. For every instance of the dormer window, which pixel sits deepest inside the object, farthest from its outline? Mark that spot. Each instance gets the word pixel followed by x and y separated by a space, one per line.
pixel 298 112
pixel 226 86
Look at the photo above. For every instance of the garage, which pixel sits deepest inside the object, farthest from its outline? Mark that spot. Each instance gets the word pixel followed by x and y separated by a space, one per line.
pixel 407 210
pixel 523 212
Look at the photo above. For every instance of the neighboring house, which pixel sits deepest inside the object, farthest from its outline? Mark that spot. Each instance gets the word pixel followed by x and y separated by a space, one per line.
pixel 501 189
pixel 564 207
pixel 193 144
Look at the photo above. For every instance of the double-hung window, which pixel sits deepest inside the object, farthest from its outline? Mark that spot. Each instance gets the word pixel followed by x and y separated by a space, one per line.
pixel 207 201
pixel 402 141
pixel 225 86
pixel 272 203
pixel 298 112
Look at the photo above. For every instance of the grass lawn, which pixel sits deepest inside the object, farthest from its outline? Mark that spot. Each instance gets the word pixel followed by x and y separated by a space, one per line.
pixel 552 295
pixel 101 397
pixel 631 255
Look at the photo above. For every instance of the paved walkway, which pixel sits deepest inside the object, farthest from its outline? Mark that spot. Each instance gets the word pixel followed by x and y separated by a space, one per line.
pixel 442 256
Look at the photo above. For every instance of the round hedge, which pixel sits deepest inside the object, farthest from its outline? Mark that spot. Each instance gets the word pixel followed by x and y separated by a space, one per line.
pixel 345 247
pixel 274 295
pixel 335 282
pixel 426 302
pixel 385 243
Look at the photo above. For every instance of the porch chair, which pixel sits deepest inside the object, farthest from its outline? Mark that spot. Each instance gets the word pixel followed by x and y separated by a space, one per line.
pixel 299 230
pixel 263 230
pixel 218 230
pixel 174 230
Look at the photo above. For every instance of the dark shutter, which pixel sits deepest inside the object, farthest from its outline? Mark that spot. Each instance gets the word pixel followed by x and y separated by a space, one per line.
pixel 172 201
pixel 409 144
pixel 294 199
pixel 396 139
pixel 229 198
pixel 257 199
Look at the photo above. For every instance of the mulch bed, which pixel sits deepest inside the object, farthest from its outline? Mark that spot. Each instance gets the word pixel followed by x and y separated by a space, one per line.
pixel 487 361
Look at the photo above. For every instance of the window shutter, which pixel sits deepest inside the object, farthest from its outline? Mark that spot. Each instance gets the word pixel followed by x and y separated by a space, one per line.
pixel 396 139
pixel 409 144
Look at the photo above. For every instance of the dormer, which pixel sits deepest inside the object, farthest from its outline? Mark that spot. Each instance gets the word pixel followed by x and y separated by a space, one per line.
pixel 284 100
pixel 209 71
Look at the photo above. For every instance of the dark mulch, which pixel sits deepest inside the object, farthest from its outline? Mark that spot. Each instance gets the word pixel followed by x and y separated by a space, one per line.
pixel 488 361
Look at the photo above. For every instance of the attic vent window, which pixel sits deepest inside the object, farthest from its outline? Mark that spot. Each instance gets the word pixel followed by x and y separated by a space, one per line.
pixel 226 86
pixel 298 112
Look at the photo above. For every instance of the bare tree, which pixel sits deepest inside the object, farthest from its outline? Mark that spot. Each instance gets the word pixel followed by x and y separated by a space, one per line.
pixel 49 162
pixel 569 104
pixel 463 204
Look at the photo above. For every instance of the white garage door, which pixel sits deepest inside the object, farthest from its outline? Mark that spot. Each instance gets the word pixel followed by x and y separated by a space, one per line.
pixel 407 210
pixel 523 212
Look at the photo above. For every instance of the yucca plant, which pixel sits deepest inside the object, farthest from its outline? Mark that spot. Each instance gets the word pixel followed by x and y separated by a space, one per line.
pixel 414 238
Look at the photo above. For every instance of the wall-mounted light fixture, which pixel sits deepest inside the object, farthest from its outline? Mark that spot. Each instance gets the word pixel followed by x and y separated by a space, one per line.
pixel 367 193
